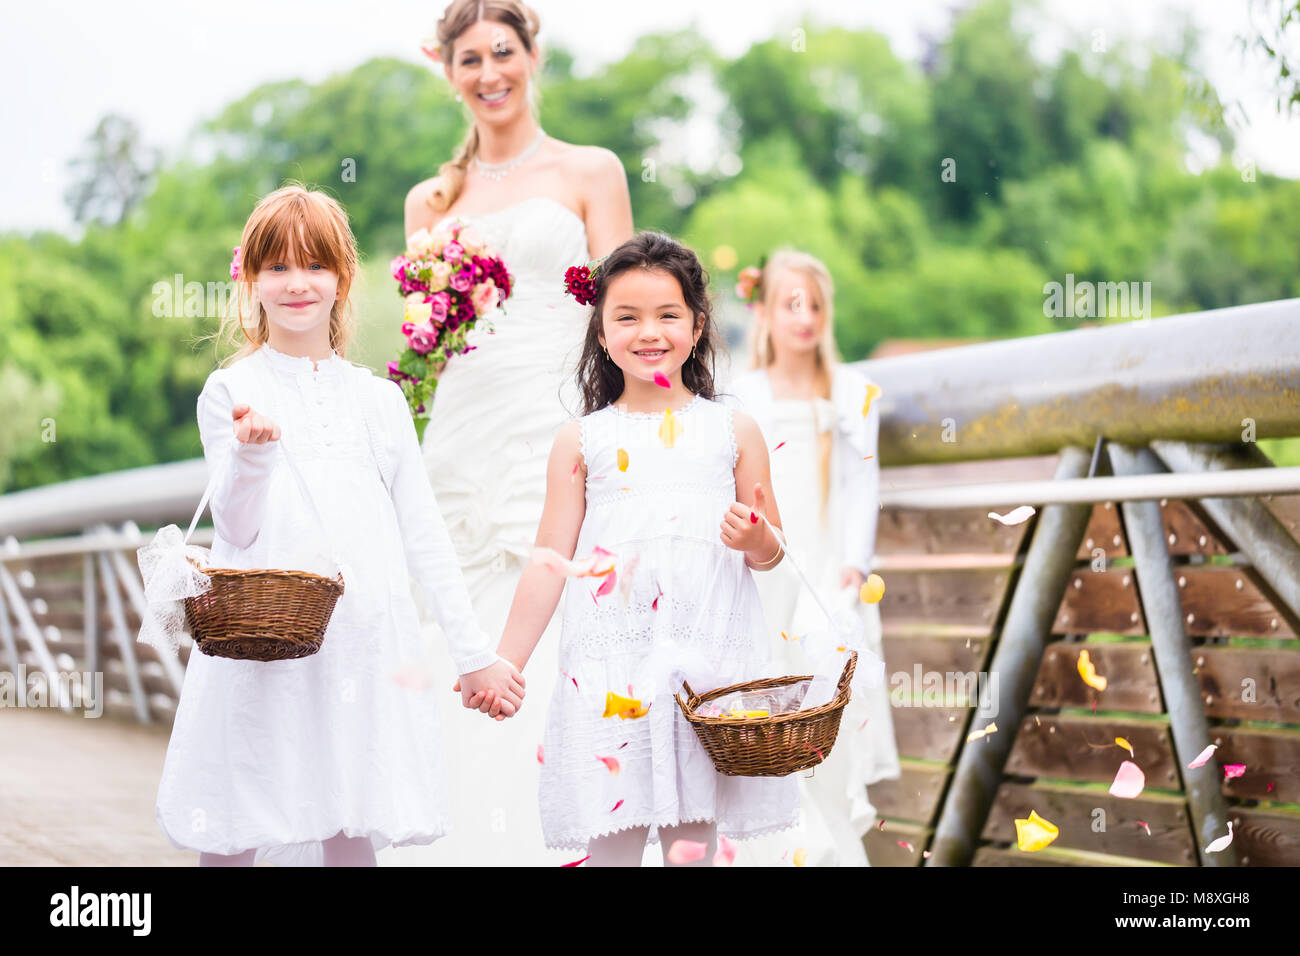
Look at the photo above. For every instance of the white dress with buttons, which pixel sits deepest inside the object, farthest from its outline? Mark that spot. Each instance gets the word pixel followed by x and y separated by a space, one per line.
pixel 282 755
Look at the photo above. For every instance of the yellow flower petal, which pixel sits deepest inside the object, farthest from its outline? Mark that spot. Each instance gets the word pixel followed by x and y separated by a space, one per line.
pixel 872 590
pixel 748 713
pixel 622 460
pixel 1035 833
pixel 616 705
pixel 1088 671
pixel 1126 745
pixel 670 429
pixel 800 856
pixel 873 392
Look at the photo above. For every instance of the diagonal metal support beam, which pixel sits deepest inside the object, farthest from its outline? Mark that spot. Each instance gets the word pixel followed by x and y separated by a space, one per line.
pixel 1033 607
pixel 123 639
pixel 1173 655
pixel 33 636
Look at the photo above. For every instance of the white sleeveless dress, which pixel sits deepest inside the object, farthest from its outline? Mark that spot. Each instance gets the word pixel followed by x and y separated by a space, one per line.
pixel 495 416
pixel 687 606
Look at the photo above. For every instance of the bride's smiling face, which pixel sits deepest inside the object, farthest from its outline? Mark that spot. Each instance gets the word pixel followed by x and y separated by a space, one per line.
pixel 491 68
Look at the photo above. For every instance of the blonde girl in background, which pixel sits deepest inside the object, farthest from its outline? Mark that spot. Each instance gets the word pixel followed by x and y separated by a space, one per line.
pixel 327 758
pixel 826 474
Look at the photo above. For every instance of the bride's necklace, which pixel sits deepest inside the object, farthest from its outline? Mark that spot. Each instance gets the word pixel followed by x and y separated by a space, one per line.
pixel 497 171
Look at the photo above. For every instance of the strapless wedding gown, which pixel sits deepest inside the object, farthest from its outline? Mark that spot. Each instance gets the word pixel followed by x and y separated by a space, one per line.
pixel 495 416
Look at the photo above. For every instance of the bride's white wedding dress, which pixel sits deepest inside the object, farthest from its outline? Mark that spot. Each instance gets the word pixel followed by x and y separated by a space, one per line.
pixel 495 415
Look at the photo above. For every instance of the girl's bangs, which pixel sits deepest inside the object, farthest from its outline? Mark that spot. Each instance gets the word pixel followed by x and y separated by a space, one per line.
pixel 299 231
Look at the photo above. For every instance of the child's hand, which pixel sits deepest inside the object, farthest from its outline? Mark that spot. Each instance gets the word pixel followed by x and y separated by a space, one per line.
pixel 496 690
pixel 851 578
pixel 252 428
pixel 743 529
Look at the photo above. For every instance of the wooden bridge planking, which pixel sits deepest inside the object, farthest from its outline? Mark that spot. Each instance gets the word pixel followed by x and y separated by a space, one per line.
pixel 1071 809
pixel 914 796
pixel 930 733
pixel 996 856
pixel 1057 746
pixel 1265 837
pixel 959 531
pixel 1103 532
pixel 934 653
pixel 1286 508
pixel 1129 670
pixel 1223 601
pixel 1271 755
pixel 883 849
pixel 1100 601
pixel 930 600
pixel 1275 671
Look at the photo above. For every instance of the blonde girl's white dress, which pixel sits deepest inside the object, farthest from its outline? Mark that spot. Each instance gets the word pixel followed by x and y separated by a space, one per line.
pixel 282 755
pixel 825 540
pixel 683 605
pixel 494 419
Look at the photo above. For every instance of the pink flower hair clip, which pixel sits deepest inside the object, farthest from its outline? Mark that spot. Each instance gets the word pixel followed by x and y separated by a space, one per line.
pixel 235 263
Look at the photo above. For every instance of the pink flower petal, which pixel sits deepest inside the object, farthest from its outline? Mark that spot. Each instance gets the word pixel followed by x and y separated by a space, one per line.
pixel 540 758
pixel 686 851
pixel 578 862
pixel 1222 842
pixel 1231 770
pixel 1143 825
pixel 662 380
pixel 779 447
pixel 726 855
pixel 611 763
pixel 607 585
pixel 1129 780
pixel 616 806
pixel 1203 756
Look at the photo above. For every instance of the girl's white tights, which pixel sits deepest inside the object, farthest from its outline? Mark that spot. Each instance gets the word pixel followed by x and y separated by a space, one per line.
pixel 626 847
pixel 339 850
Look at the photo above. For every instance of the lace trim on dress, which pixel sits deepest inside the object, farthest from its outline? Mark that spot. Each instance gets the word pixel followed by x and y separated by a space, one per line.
pixel 654 416
pixel 736 831
pixel 731 435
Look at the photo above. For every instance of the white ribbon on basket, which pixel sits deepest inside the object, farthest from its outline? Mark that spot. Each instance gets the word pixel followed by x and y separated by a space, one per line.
pixel 170 577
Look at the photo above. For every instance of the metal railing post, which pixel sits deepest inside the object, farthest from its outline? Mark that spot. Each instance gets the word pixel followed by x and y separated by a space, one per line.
pixel 1046 574
pixel 123 638
pixel 1172 651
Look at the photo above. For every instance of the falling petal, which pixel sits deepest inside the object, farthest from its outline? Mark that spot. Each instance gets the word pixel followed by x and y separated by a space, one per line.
pixel 1203 756
pixel 873 392
pixel 1126 745
pixel 662 380
pixel 624 744
pixel 1270 787
pixel 616 806
pixel 573 474
pixel 907 846
pixel 815 750
pixel 670 429
pixel 624 708
pixel 881 826
pixel 800 856
pixel 607 585
pixel 578 862
pixel 611 763
pixel 872 590
pixel 863 725
pixel 1143 825
pixel 726 855
pixel 1088 671
pixel 926 854
pixel 992 728
pixel 1018 516
pixel 622 460
pixel 1035 833
pixel 686 851
pixel 540 758
pixel 1129 780
pixel 779 447
pixel 868 458
pixel 753 518
pixel 1231 770
pixel 1222 842
pixel 789 637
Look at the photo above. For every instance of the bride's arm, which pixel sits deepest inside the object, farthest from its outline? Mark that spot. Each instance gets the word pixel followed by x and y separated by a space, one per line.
pixel 418 214
pixel 607 203
pixel 539 590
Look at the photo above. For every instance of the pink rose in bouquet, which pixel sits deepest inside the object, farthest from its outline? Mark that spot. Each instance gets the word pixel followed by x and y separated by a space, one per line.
pixel 450 279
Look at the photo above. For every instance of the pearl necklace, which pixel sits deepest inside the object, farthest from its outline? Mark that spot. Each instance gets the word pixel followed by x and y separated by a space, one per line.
pixel 497 171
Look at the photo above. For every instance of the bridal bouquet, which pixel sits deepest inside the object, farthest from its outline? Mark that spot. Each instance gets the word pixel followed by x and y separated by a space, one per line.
pixel 449 279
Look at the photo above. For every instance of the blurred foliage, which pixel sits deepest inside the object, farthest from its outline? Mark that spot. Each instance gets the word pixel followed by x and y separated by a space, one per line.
pixel 821 138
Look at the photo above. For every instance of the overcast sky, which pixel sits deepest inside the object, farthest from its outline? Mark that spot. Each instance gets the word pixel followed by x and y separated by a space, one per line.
pixel 168 65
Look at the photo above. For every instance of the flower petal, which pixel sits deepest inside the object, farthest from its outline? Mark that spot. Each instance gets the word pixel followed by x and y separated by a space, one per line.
pixel 607 585
pixel 873 392
pixel 1017 516
pixel 662 380
pixel 1129 780
pixel 726 855
pixel 1035 833
pixel 616 806
pixel 578 862
pixel 622 460
pixel 1202 757
pixel 872 590
pixel 800 856
pixel 1126 745
pixel 686 851
pixel 1222 842
pixel 611 763
pixel 1088 671
pixel 670 429
pixel 1231 770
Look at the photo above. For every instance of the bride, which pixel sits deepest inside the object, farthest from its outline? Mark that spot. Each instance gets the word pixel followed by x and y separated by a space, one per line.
pixel 542 205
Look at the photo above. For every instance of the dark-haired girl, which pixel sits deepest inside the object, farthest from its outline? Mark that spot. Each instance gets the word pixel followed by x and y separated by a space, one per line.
pixel 657 508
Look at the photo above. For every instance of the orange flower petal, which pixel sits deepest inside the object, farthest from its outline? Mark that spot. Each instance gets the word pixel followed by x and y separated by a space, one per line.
pixel 873 392
pixel 1088 671
pixel 622 460
pixel 1126 745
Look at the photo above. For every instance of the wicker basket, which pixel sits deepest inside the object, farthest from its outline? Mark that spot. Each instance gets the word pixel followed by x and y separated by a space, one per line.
pixel 262 615
pixel 772 746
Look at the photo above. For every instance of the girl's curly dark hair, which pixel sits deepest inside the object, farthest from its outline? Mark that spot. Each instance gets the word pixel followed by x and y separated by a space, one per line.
pixel 600 381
